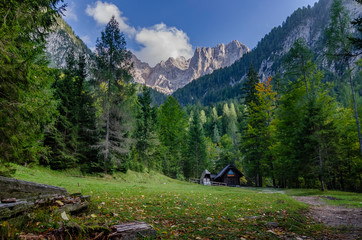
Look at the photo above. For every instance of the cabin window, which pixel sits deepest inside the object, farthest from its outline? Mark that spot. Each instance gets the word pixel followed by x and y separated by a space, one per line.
pixel 231 173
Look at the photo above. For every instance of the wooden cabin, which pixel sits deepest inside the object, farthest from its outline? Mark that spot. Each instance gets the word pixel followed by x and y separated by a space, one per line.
pixel 229 175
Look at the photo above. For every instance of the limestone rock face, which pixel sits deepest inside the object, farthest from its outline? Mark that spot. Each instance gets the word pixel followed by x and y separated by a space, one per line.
pixel 168 76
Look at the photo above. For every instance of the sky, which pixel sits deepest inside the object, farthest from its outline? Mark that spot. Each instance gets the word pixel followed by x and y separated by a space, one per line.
pixel 158 29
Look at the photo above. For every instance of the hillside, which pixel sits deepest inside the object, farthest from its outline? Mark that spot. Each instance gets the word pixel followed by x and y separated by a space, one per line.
pixel 307 23
pixel 60 41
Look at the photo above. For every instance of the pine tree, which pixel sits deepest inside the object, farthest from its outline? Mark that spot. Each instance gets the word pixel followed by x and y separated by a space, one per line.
pixel 339 49
pixel 172 128
pixel 145 133
pixel 249 87
pixel 298 61
pixel 197 158
pixel 259 136
pixel 26 103
pixel 112 75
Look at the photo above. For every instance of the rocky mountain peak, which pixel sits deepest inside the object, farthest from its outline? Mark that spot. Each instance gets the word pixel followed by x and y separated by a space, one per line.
pixel 167 76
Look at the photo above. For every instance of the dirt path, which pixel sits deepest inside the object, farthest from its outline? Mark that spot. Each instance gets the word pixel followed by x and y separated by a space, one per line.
pixel 335 216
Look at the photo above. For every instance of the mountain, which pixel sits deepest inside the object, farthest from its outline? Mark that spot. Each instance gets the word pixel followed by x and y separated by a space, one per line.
pixel 168 76
pixel 60 41
pixel 307 23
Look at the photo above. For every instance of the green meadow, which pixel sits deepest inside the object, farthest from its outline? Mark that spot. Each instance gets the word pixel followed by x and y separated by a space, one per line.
pixel 177 210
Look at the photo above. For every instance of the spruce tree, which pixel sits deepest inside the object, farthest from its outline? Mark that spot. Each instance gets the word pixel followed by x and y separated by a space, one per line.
pixel 249 87
pixel 145 133
pixel 298 62
pixel 340 51
pixel 26 103
pixel 259 136
pixel 196 161
pixel 172 128
pixel 112 75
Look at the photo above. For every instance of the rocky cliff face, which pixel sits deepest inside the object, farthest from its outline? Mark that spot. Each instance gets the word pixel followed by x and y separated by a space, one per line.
pixel 60 41
pixel 170 75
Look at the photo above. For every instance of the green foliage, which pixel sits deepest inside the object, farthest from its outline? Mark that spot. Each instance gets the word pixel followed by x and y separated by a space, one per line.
pixel 298 62
pixel 73 137
pixel 172 126
pixel 26 103
pixel 145 133
pixel 224 84
pixel 259 136
pixel 196 160
pixel 249 89
pixel 113 91
pixel 337 36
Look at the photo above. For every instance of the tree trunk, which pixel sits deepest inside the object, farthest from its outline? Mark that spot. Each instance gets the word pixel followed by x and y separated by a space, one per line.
pixel 321 169
pixel 106 150
pixel 260 180
pixel 341 180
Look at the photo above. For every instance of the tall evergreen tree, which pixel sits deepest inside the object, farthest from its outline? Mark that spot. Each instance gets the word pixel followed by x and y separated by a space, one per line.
pixel 112 74
pixel 26 104
pixel 197 158
pixel 340 51
pixel 259 136
pixel 172 128
pixel 145 133
pixel 298 61
pixel 249 88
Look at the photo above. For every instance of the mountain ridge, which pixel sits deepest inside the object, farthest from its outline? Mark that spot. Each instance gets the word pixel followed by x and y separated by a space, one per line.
pixel 307 23
pixel 172 74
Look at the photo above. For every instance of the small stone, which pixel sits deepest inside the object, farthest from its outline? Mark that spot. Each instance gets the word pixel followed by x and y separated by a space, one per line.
pixel 209 219
pixel 8 200
pixel 273 224
pixel 64 216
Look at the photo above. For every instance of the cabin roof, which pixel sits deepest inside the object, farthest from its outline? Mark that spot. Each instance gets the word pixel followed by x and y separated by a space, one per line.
pixel 206 172
pixel 226 168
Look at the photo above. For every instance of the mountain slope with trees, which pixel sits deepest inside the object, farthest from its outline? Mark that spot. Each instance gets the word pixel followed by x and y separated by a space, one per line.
pixel 307 23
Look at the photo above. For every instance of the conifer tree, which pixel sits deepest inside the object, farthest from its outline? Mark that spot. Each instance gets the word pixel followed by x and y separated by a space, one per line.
pixel 298 61
pixel 145 133
pixel 112 75
pixel 172 132
pixel 260 134
pixel 197 158
pixel 26 104
pixel 249 87
pixel 339 50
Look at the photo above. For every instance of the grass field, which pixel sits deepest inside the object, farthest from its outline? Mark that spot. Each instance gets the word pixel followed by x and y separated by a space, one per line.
pixel 177 210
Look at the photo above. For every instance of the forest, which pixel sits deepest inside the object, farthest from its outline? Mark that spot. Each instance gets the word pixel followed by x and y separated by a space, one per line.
pixel 297 129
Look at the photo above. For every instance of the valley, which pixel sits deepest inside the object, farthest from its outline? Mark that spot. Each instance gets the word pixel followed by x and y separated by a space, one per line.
pixel 128 114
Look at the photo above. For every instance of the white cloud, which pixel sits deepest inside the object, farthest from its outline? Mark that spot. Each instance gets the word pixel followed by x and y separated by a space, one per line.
pixel 86 39
pixel 161 42
pixel 103 12
pixel 158 42
pixel 70 13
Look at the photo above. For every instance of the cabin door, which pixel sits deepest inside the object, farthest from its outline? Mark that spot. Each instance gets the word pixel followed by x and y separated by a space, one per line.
pixel 232 181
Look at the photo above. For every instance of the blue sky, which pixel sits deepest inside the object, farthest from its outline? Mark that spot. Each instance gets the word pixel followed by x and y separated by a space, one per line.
pixel 158 29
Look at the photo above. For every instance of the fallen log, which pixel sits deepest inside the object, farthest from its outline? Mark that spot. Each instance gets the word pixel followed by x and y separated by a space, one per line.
pixel 132 230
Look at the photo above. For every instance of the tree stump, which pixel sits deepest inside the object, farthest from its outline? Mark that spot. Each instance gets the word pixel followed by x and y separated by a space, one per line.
pixel 132 230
